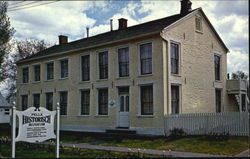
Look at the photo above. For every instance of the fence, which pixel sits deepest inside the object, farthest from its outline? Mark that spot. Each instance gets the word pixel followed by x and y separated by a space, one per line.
pixel 234 123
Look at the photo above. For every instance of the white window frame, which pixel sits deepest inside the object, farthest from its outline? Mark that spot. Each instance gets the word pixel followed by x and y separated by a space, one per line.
pixel 61 59
pixel 220 55
pixel 180 97
pixel 81 55
pixel 139 57
pixel 33 66
pixel 139 99
pixel 97 103
pixel 117 61
pixel 179 55
pixel 80 101
pixel 201 25
pixel 46 70
pixel 97 66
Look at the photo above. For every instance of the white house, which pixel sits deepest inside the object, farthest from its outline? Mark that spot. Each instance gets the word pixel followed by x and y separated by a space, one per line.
pixel 5 109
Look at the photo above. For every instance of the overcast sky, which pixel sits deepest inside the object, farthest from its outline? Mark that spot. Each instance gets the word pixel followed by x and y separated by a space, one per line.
pixel 46 22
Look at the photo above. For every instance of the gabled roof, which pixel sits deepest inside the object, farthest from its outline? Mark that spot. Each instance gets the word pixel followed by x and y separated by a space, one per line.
pixel 3 102
pixel 155 26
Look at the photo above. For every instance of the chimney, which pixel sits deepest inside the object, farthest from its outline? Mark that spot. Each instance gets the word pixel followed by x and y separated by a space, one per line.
pixel 87 31
pixel 185 6
pixel 63 39
pixel 122 23
pixel 111 24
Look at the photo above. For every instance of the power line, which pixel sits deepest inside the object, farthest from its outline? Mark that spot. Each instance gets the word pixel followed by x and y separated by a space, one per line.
pixel 23 5
pixel 32 6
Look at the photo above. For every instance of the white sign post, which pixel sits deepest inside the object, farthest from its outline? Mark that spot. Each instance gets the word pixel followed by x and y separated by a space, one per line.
pixel 36 124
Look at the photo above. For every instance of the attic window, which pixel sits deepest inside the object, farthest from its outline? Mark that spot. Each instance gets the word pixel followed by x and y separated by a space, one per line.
pixel 198 23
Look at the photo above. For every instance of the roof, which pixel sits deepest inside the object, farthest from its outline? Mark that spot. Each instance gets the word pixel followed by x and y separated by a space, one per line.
pixel 3 102
pixel 111 36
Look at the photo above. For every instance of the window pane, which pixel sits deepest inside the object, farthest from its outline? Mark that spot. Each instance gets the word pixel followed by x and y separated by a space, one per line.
pixel 103 102
pixel 50 71
pixel 85 68
pixel 25 75
pixel 127 104
pixel 146 58
pixel 36 98
pixel 49 101
pixel 103 65
pixel 175 99
pixel 63 103
pixel 147 100
pixel 64 68
pixel 243 102
pixel 37 73
pixel 174 58
pixel 217 67
pixel 218 100
pixel 122 103
pixel 85 102
pixel 24 102
pixel 123 60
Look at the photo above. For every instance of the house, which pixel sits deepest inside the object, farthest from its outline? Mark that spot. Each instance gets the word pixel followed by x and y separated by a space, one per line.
pixel 132 77
pixel 5 109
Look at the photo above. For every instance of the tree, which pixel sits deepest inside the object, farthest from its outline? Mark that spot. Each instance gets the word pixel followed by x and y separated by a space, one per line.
pixel 6 32
pixel 239 75
pixel 24 48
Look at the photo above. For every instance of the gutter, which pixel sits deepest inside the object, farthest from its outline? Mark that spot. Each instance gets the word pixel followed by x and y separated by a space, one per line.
pixel 94 46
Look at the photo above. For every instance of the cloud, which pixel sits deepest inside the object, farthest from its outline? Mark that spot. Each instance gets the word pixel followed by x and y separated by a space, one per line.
pixel 237 61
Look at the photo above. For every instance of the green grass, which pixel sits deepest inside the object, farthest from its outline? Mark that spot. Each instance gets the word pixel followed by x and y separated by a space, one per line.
pixel 196 144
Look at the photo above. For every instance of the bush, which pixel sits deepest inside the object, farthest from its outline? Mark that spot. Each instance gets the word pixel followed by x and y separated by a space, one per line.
pixel 177 132
pixel 218 136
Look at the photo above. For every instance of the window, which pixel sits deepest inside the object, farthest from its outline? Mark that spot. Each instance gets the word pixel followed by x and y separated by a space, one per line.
pixel 147 100
pixel 174 58
pixel 198 23
pixel 24 102
pixel 123 60
pixel 146 58
pixel 243 102
pixel 218 100
pixel 85 102
pixel 175 99
pixel 63 103
pixel 50 71
pixel 103 65
pixel 217 60
pixel 37 72
pixel 85 67
pixel 36 101
pixel 49 101
pixel 26 75
pixel 103 101
pixel 7 111
pixel 64 68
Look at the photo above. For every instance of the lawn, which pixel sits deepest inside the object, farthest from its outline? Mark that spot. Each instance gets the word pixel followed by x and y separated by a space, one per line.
pixel 197 144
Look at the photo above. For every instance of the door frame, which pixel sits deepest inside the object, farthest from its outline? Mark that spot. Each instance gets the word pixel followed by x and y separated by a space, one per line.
pixel 118 105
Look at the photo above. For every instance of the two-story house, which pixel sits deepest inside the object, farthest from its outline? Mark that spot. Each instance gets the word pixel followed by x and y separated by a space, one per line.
pixel 132 77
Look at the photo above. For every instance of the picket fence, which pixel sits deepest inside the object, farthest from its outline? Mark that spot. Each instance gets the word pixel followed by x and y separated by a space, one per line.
pixel 234 123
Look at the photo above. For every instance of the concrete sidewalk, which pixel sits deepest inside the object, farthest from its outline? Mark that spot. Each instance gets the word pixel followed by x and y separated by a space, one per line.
pixel 244 154
pixel 144 151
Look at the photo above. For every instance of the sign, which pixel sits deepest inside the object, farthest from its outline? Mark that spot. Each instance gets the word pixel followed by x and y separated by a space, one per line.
pixel 36 125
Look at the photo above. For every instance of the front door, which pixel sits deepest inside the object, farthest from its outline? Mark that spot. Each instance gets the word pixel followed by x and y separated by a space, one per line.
pixel 124 110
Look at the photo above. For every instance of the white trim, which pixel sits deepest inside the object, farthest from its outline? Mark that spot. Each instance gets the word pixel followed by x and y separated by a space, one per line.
pixel 97 103
pixel 139 56
pixel 123 85
pixel 36 92
pixel 84 88
pixel 102 87
pixel 139 105
pixel 81 55
pixel 179 43
pixel 97 61
pixel 60 73
pixel 218 87
pixel 62 58
pixel 62 90
pixel 117 61
pixel 49 91
pixel 80 102
pixel 145 83
pixel 173 82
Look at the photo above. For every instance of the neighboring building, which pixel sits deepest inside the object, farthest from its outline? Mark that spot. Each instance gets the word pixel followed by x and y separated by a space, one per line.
pixel 131 77
pixel 5 110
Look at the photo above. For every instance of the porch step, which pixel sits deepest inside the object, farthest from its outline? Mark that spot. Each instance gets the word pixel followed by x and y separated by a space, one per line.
pixel 121 131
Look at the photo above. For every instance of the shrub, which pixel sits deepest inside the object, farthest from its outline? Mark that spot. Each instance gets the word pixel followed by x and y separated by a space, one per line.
pixel 177 132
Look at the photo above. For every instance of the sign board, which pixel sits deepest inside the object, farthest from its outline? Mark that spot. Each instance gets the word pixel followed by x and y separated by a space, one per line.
pixel 36 125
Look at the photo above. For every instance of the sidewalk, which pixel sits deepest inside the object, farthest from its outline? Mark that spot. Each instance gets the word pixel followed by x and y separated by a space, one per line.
pixel 144 151
pixel 244 154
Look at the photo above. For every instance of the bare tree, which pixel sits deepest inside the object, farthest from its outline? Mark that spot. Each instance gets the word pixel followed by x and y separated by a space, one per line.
pixel 239 75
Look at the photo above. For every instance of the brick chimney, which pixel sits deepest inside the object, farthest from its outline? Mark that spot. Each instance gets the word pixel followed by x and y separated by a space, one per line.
pixel 185 6
pixel 122 23
pixel 63 39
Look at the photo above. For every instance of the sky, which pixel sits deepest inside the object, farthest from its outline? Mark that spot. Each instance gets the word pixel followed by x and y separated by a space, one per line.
pixel 45 22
